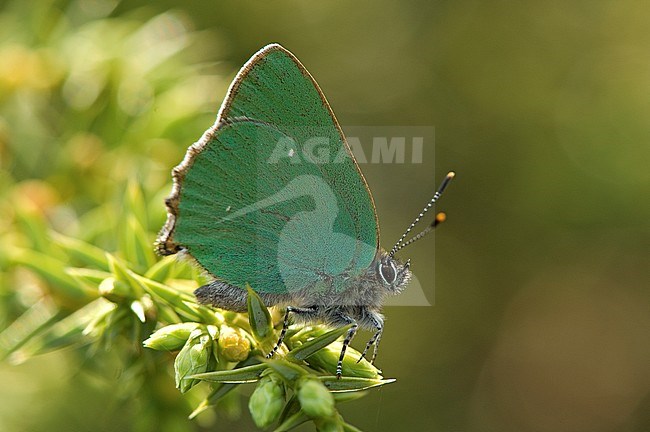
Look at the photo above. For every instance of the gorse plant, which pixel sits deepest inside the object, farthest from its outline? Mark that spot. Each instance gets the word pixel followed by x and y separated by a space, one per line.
pixel 128 299
pixel 94 109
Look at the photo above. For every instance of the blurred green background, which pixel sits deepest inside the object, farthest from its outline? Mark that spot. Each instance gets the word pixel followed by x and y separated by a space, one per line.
pixel 541 274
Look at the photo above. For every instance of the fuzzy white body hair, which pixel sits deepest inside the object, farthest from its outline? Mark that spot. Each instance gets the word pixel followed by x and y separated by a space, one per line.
pixel 361 300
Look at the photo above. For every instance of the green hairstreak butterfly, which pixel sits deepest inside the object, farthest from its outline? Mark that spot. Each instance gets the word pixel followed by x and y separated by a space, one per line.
pixel 251 206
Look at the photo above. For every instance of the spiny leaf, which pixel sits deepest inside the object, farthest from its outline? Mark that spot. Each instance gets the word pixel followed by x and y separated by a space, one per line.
pixel 238 376
pixel 308 348
pixel 291 408
pixel 347 427
pixel 220 390
pixel 123 274
pixel 135 203
pixel 341 397
pixel 288 371
pixel 84 252
pixel 34 227
pixel 137 245
pixel 258 316
pixel 292 421
pixel 41 315
pixel 52 270
pixel 162 269
pixel 90 277
pixel 345 384
pixel 66 332
pixel 327 359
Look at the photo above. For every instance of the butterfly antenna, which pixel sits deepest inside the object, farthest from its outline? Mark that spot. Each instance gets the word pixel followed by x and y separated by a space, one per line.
pixel 440 218
pixel 399 245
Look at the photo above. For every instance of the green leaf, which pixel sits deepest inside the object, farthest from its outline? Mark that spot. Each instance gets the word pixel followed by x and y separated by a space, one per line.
pixel 292 421
pixel 123 274
pixel 53 271
pixel 347 427
pixel 162 270
pixel 83 252
pixel 115 290
pixel 353 366
pixel 287 371
pixel 38 317
pixel 136 245
pixel 135 204
pixel 180 301
pixel 33 225
pixel 346 384
pixel 90 277
pixel 308 348
pixel 291 408
pixel 258 316
pixel 341 397
pixel 240 375
pixel 68 331
pixel 166 314
pixel 219 391
pixel 203 313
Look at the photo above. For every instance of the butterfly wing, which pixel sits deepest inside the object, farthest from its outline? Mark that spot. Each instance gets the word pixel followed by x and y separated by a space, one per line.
pixel 271 195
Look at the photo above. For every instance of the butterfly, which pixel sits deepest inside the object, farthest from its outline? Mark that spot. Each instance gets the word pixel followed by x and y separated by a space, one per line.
pixel 255 202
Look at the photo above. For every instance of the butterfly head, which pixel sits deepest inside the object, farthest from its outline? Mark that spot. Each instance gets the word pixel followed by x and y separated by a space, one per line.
pixel 392 274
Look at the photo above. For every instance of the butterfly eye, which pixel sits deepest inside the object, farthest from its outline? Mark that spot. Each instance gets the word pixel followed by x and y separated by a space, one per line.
pixel 388 272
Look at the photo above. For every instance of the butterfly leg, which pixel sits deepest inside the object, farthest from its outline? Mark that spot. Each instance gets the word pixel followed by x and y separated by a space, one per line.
pixel 285 325
pixel 348 338
pixel 377 321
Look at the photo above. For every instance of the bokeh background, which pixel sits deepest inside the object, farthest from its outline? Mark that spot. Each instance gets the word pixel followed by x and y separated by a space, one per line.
pixel 541 274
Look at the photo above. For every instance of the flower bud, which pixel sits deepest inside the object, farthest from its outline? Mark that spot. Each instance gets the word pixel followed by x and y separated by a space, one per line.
pixel 114 290
pixel 234 345
pixel 171 337
pixel 192 359
pixel 327 358
pixel 267 401
pixel 315 399
pixel 329 424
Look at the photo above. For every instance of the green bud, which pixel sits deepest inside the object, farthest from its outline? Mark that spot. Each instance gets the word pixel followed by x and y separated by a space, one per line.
pixel 234 345
pixel 327 358
pixel 330 424
pixel 288 371
pixel 307 333
pixel 171 337
pixel 115 290
pixel 258 316
pixel 192 359
pixel 267 401
pixel 315 399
